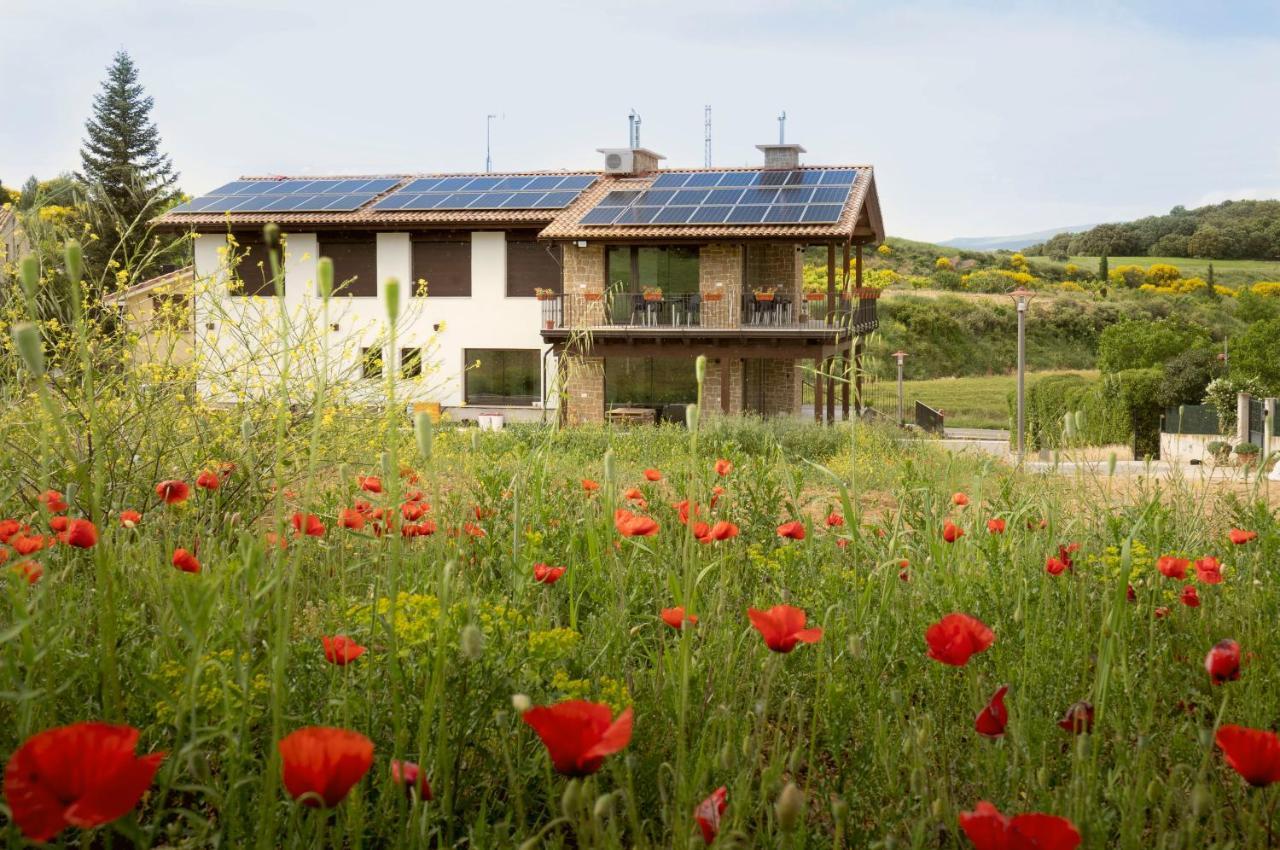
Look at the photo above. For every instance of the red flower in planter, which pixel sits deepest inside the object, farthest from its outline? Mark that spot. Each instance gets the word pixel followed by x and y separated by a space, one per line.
pixel 723 467
pixel 956 637
pixel 1223 662
pixel 589 485
pixel 412 777
pixel 351 518
pixel 959 500
pixel 676 618
pixel 793 530
pixel 1172 567
pixel 1209 570
pixel 80 533
pixel 1078 719
pixel 1252 753
pixel 652 475
pixel 130 519
pixel 84 775
pixel 52 501
pixel 579 735
pixel 996 526
pixel 634 525
pixel 988 829
pixel 322 764
pixel 782 627
pixel 708 813
pixel 369 483
pixel 185 561
pixel 547 575
pixel 1240 537
pixel 341 650
pixel 994 717
pixel 1190 597
pixel 951 532
pixel 173 492
pixel 208 480
pixel 308 524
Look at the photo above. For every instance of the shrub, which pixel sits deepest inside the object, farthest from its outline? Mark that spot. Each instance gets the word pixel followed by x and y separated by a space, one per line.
pixel 1139 392
pixel 1138 344
pixel 1187 375
pixel 943 264
pixel 1128 276
pixel 1221 394
pixel 1100 421
pixel 1255 354
pixel 1162 273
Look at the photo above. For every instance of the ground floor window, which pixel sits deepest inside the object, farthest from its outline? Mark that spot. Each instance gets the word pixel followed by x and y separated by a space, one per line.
pixel 503 376
pixel 371 363
pixel 411 362
pixel 649 381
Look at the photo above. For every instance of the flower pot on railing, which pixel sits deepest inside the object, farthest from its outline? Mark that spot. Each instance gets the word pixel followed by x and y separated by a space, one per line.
pixel 550 324
pixel 544 294
pixel 713 296
pixel 764 296
pixel 594 296
pixel 866 292
pixel 815 296
pixel 652 294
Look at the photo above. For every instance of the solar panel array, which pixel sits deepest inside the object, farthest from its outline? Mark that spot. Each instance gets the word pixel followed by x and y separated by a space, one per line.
pixel 543 191
pixel 299 195
pixel 810 196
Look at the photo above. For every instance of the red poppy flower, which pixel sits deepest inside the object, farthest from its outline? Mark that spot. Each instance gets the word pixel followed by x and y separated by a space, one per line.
pixel 322 764
pixel 652 475
pixel 1065 553
pixel 369 483
pixel 173 492
pixel 8 528
pixel 1161 612
pixel 185 561
pixel 1172 567
pixel 1240 537
pixel 52 501
pixel 633 494
pixel 351 518
pixel 959 500
pixel 722 530
pixel 1078 719
pixel 708 813
pixel 84 775
pixel 413 511
pixel 547 575
pixel 951 532
pixel 782 627
pixel 1209 570
pixel 956 637
pixel 29 570
pixel 58 523
pixel 341 650
pixel 80 533
pixel 130 519
pixel 421 529
pixel 988 829
pixel 1223 662
pixel 579 735
pixel 996 526
pixel 994 717
pixel 208 480
pixel 794 530
pixel 834 520
pixel 716 492
pixel 682 510
pixel 308 524
pixel 1190 597
pixel 412 777
pixel 1037 524
pixel 413 494
pixel 634 525
pixel 723 467
pixel 676 618
pixel 25 544
pixel 473 530
pixel 1252 753
pixel 1054 567
pixel 589 485
pixel 1130 594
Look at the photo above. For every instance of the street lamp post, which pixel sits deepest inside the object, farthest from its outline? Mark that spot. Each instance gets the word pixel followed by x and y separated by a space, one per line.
pixel 1022 298
pixel 901 356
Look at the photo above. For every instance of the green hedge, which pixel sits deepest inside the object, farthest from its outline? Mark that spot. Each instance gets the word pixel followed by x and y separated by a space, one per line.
pixel 1049 399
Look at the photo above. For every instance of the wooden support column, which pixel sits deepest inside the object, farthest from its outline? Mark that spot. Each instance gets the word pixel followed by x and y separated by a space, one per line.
pixel 724 385
pixel 831 281
pixel 818 382
pixel 857 264
pixel 831 390
pixel 847 374
pixel 858 348
pixel 844 280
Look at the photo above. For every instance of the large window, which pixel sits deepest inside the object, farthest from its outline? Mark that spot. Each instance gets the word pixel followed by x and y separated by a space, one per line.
pixel 649 380
pixel 370 363
pixel 672 269
pixel 531 265
pixel 355 263
pixel 445 264
pixel 503 375
pixel 411 362
pixel 250 265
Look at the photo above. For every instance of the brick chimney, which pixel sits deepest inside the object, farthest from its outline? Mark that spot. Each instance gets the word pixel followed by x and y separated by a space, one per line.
pixel 781 156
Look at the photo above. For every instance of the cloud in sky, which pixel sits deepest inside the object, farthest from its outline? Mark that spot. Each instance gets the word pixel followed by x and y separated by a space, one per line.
pixel 980 117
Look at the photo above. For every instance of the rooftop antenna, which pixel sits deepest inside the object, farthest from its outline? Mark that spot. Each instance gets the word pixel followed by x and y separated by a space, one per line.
pixel 488 129
pixel 633 121
pixel 706 135
pixel 782 128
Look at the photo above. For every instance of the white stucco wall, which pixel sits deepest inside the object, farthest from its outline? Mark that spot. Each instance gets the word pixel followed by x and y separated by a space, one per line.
pixel 243 328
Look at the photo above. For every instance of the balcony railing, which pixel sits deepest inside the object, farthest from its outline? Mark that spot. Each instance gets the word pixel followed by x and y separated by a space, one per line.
pixel 626 310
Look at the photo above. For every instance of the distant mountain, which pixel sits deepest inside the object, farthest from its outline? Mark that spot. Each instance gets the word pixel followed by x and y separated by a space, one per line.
pixel 1010 243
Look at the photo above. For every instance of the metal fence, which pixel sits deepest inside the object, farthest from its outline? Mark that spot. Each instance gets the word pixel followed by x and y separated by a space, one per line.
pixel 1257 423
pixel 1190 419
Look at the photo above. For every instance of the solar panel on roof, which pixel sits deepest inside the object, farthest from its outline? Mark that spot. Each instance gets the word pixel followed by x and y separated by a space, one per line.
pixel 773 196
pixel 293 195
pixel 488 192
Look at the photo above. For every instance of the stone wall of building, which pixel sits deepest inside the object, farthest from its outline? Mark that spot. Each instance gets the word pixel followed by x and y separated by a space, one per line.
pixel 711 399
pixel 583 285
pixel 779 266
pixel 720 278
pixel 584 390
pixel 780 380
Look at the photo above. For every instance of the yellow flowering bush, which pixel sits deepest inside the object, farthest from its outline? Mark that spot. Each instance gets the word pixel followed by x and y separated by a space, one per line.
pixel 1266 288
pixel 217 690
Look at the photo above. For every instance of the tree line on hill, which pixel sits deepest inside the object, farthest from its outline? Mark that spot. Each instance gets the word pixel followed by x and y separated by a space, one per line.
pixel 1232 230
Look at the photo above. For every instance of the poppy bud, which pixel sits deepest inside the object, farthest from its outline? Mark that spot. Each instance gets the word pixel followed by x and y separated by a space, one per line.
pixel 1201 800
pixel 1111 464
pixel 1042 777
pixel 571 799
pixel 796 762
pixel 1153 790
pixel 854 645
pixel 521 703
pixel 726 757
pixel 604 804
pixel 609 466
pixel 75 261
pixel 691 417
pixel 471 642
pixel 839 810
pixel 271 235
pixel 700 368
pixel 790 807
pixel 936 808
pixel 27 339
pixel 424 434
pixel 30 272
pixel 392 291
pixel 324 278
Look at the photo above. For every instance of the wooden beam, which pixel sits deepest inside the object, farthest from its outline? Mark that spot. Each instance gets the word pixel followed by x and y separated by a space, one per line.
pixel 831 281
pixel 818 382
pixel 831 390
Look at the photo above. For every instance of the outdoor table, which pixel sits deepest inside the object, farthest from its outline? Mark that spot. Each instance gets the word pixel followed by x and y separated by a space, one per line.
pixel 632 415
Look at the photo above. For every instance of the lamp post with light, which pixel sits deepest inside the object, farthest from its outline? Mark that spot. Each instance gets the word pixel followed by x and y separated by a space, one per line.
pixel 901 356
pixel 1022 298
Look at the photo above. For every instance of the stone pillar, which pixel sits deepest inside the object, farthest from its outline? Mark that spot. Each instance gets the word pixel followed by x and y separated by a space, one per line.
pixel 1271 439
pixel 584 286
pixel 781 389
pixel 713 388
pixel 720 283
pixel 1242 417
pixel 584 389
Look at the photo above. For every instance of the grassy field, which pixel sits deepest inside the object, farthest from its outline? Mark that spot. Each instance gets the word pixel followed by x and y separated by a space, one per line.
pixel 977 402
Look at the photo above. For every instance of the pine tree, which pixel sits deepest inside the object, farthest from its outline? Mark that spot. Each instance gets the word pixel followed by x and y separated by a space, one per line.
pixel 1103 272
pixel 1211 289
pixel 129 178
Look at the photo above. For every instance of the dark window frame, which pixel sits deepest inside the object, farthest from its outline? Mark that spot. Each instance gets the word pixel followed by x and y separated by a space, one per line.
pixel 453 276
pixel 546 260
pixel 255 280
pixel 411 362
pixel 372 363
pixel 471 355
pixel 354 255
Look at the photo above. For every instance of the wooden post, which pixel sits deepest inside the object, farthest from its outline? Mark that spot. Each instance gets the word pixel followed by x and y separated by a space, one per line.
pixel 857 372
pixel 831 281
pixel 844 281
pixel 818 381
pixel 847 375
pixel 857 264
pixel 831 390
pixel 724 385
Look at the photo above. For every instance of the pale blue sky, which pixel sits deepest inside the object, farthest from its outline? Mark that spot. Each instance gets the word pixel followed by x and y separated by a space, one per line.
pixel 981 118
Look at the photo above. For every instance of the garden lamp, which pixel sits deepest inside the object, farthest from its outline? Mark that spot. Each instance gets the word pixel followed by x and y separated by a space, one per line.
pixel 1022 298
pixel 901 356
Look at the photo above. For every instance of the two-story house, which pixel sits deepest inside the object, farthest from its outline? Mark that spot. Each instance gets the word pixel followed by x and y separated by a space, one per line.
pixel 611 281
